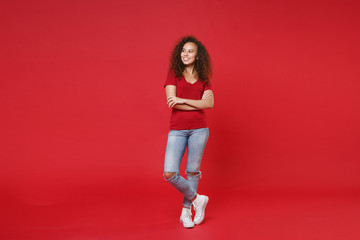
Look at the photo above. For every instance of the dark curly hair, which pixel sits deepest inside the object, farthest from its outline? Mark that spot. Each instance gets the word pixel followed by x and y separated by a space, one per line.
pixel 202 65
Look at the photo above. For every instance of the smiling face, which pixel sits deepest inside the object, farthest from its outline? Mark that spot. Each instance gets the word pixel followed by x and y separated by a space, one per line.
pixel 189 53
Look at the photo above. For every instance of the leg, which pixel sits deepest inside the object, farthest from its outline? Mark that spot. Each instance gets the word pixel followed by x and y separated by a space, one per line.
pixel 196 145
pixel 182 186
pixel 176 145
pixel 193 181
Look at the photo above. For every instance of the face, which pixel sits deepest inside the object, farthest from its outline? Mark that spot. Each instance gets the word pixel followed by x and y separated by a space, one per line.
pixel 189 53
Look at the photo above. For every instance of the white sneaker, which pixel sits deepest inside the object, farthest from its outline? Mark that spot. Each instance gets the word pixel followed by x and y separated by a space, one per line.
pixel 199 206
pixel 185 218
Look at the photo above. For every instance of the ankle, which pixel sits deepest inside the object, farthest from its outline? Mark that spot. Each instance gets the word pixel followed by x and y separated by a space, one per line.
pixel 194 198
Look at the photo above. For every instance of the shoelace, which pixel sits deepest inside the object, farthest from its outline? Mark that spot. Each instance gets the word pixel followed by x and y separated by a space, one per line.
pixel 197 210
pixel 196 204
pixel 187 216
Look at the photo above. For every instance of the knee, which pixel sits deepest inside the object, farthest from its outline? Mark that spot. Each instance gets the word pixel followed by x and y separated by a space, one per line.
pixel 193 173
pixel 168 175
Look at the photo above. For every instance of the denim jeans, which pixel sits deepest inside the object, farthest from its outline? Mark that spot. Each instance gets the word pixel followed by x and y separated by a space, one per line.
pixel 195 141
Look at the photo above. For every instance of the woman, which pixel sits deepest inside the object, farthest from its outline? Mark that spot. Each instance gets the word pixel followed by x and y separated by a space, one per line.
pixel 188 92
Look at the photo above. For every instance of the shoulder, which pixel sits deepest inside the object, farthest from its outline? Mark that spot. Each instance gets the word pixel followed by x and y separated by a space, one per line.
pixel 171 73
pixel 171 79
pixel 206 85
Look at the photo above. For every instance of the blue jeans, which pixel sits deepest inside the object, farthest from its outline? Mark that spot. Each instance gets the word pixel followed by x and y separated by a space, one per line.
pixel 195 140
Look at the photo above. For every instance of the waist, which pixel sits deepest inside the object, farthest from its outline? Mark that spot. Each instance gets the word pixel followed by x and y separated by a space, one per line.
pixel 187 119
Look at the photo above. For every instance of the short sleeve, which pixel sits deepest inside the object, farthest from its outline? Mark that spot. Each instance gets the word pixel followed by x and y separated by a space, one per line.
pixel 171 79
pixel 206 87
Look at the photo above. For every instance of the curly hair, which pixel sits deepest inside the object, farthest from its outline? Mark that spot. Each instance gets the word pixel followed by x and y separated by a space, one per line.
pixel 202 65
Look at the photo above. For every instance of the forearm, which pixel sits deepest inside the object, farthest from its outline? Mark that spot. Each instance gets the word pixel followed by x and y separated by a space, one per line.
pixel 199 104
pixel 207 100
pixel 184 107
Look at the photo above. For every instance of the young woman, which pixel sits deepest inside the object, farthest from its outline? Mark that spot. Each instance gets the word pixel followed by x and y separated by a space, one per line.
pixel 188 92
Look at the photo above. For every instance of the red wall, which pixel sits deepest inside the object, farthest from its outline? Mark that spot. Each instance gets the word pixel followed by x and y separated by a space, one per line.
pixel 82 98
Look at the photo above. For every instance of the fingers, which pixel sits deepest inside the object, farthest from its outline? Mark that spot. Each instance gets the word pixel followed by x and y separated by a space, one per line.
pixel 171 101
pixel 206 95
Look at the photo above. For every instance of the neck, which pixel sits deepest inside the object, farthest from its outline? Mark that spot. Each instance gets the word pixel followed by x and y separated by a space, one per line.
pixel 190 69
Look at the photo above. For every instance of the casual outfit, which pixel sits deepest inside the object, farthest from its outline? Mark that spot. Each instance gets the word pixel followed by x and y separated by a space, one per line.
pixel 181 119
pixel 195 140
pixel 187 129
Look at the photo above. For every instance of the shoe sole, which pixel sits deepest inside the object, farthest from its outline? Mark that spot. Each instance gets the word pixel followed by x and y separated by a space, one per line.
pixel 187 226
pixel 203 216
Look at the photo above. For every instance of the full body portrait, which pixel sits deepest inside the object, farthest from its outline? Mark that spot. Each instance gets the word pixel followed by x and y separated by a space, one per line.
pixel 188 93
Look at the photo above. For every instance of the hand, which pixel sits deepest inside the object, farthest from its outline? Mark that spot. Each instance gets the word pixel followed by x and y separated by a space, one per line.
pixel 206 95
pixel 172 101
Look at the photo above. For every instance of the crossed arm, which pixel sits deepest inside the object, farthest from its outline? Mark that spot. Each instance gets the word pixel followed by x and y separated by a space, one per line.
pixel 207 100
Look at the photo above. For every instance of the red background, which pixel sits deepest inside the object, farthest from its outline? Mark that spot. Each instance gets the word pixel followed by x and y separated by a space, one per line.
pixel 83 109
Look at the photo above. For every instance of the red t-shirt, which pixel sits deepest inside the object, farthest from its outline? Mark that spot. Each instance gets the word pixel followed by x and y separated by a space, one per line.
pixel 181 119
